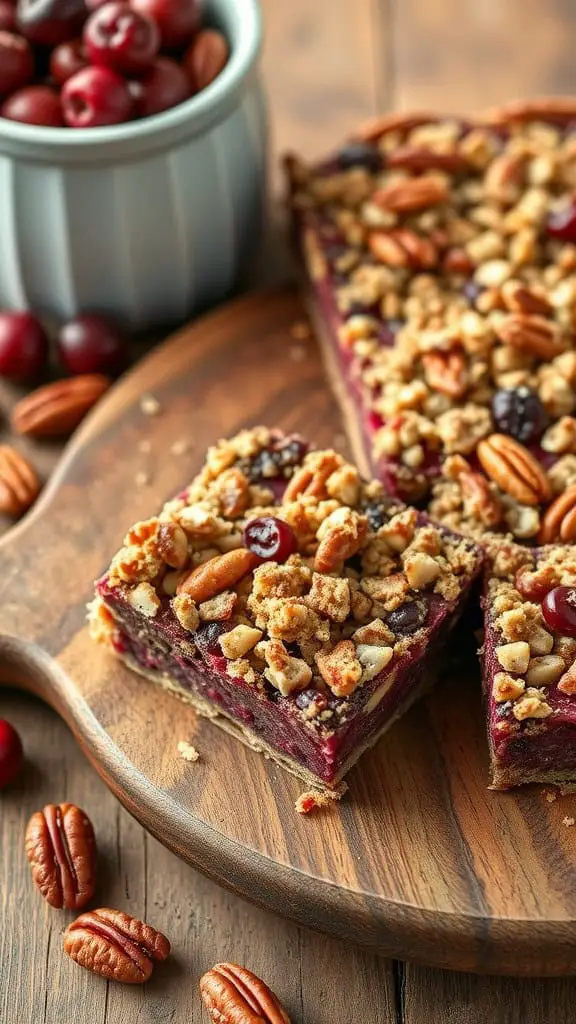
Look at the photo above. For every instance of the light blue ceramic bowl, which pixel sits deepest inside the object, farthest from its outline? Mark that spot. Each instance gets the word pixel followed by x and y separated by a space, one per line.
pixel 148 220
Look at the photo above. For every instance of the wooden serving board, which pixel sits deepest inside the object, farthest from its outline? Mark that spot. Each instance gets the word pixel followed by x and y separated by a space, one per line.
pixel 419 860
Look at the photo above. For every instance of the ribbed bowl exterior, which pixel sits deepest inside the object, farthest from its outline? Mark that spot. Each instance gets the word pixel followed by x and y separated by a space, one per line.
pixel 148 232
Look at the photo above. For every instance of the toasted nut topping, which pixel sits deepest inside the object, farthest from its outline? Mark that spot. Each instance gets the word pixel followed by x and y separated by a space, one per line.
pixel 172 545
pixel 446 372
pixel 412 194
pixel 514 657
pixel 218 574
pixel 531 334
pixel 559 522
pixel 514 469
pixel 505 687
pixel 545 670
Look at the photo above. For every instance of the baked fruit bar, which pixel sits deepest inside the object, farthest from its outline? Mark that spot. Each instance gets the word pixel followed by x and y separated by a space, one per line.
pixel 529 659
pixel 288 600
pixel 440 264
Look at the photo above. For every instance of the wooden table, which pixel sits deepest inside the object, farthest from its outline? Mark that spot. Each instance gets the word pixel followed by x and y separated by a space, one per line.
pixel 329 63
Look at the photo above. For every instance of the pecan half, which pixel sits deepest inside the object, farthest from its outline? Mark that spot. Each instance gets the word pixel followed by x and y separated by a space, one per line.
pixel 419 158
pixel 310 482
pixel 233 491
pixel 412 194
pixel 206 57
pixel 457 261
pixel 403 248
pixel 19 484
pixel 559 522
pixel 172 545
pixel 446 372
pixel 234 995
pixel 341 539
pixel 533 334
pixel 542 108
pixel 514 469
pixel 479 499
pixel 115 945
pixel 61 849
pixel 518 298
pixel 56 409
pixel 218 574
pixel 504 176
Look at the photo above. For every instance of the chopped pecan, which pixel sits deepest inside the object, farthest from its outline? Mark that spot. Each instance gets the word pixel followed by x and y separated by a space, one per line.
pixel 559 522
pixel 518 298
pixel 533 334
pixel 401 121
pixel 342 535
pixel 235 995
pixel 233 492
pixel 218 574
pixel 514 469
pixel 172 545
pixel 479 499
pixel 412 194
pixel 421 158
pixel 403 247
pixel 446 372
pixel 504 176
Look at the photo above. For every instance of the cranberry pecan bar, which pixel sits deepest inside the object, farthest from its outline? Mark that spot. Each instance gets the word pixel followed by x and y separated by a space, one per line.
pixel 287 599
pixel 529 659
pixel 440 263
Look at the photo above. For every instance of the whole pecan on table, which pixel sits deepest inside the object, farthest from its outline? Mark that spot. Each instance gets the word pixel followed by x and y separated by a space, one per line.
pixel 61 849
pixel 114 945
pixel 234 995
pixel 56 409
pixel 19 483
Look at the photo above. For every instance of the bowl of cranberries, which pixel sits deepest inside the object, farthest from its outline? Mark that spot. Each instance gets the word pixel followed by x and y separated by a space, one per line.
pixel 133 134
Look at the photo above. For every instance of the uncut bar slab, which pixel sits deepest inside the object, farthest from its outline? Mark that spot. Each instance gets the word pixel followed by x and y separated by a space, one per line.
pixel 310 658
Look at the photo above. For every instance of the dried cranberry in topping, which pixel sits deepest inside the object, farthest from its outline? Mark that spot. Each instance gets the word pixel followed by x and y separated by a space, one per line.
pixel 206 638
pixel 559 610
pixel 561 223
pixel 520 413
pixel 305 698
pixel 472 290
pixel 407 618
pixel 270 538
pixel 376 515
pixel 10 753
pixel 360 154
pixel 274 461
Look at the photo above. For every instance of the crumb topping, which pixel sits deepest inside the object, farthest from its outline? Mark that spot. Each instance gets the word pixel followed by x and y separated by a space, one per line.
pixel 450 250
pixel 350 591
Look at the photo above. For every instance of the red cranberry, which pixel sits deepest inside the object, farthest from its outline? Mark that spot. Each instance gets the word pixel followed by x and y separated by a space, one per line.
pixel 270 538
pixel 92 344
pixel 23 346
pixel 95 96
pixel 11 754
pixel 36 104
pixel 164 86
pixel 66 60
pixel 16 62
pixel 561 223
pixel 176 19
pixel 49 22
pixel 559 610
pixel 121 39
pixel 7 16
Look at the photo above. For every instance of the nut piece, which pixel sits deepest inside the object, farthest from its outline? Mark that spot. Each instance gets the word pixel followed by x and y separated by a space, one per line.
pixel 115 945
pixel 341 535
pixel 533 334
pixel 420 158
pixel 412 194
pixel 479 499
pixel 56 409
pixel 206 57
pixel 233 995
pixel 19 485
pixel 514 469
pixel 218 574
pixel 172 545
pixel 61 849
pixel 559 522
pixel 402 121
pixel 446 373
pixel 514 657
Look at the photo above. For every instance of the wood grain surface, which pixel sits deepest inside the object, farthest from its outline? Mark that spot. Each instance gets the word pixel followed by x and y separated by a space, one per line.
pixel 361 57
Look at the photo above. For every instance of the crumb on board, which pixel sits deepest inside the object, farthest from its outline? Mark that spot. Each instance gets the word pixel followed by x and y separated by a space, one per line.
pixel 567 788
pixel 314 799
pixel 145 446
pixel 187 751
pixel 301 330
pixel 141 479
pixel 181 447
pixel 568 821
pixel 298 353
pixel 150 405
pixel 551 796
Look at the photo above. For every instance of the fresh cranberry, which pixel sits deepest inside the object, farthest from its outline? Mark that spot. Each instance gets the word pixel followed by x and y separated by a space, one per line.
pixel 35 104
pixel 92 344
pixel 270 538
pixel 164 86
pixel 559 610
pixel 561 223
pixel 66 60
pixel 16 62
pixel 23 346
pixel 95 96
pixel 7 16
pixel 406 619
pixel 121 39
pixel 176 19
pixel 49 22
pixel 11 754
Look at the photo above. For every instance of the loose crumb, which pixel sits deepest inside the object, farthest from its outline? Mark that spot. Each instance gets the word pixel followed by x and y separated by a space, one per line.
pixel 187 751
pixel 298 353
pixel 181 447
pixel 567 788
pixel 551 797
pixel 141 479
pixel 315 798
pixel 568 821
pixel 150 406
pixel 301 330
pixel 145 447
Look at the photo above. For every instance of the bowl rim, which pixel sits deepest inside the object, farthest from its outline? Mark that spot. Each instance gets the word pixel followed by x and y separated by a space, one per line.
pixel 244 49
